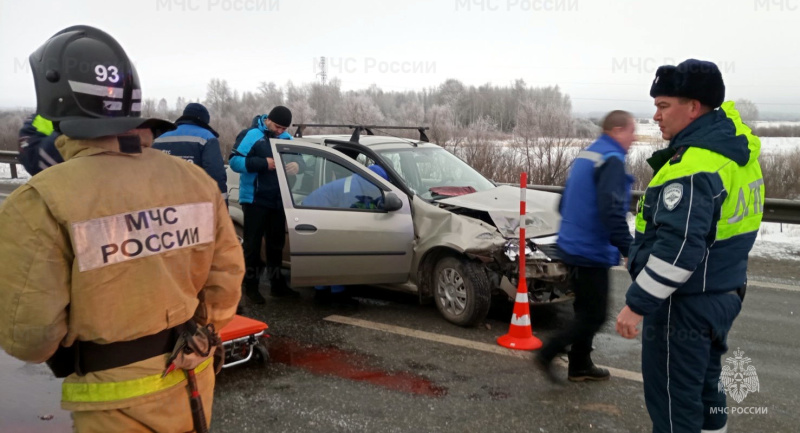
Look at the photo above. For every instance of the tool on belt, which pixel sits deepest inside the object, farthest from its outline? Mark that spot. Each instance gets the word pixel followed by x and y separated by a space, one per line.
pixel 194 345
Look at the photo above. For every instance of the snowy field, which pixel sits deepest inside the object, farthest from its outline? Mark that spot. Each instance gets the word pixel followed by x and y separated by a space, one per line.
pixel 650 139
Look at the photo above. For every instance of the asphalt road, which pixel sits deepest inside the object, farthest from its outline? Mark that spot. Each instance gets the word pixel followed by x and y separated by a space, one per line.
pixel 391 365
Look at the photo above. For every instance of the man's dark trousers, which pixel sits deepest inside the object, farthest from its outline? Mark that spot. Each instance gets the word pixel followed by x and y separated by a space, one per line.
pixel 262 222
pixel 590 286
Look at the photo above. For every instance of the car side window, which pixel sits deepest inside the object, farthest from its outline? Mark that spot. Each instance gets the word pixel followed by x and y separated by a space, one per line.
pixel 327 184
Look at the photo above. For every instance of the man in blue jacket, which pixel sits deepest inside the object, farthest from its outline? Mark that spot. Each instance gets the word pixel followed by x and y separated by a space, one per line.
pixel 695 226
pixel 594 233
pixel 260 197
pixel 195 141
pixel 37 145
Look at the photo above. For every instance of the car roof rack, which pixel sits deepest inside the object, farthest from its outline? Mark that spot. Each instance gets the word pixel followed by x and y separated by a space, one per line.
pixel 298 133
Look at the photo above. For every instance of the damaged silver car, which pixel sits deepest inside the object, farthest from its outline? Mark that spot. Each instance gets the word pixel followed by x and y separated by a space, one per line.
pixel 433 225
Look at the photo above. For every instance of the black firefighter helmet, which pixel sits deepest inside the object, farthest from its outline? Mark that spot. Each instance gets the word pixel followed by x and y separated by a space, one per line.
pixel 86 84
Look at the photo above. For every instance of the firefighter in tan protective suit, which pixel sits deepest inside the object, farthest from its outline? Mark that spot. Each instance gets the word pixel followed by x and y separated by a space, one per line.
pixel 109 254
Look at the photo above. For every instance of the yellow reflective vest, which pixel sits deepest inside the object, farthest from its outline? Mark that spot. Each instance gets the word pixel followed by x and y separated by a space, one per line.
pixel 699 216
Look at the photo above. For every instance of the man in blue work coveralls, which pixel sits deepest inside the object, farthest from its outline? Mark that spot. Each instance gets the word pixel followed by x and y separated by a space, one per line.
pixel 195 141
pixel 352 192
pixel 695 227
pixel 594 234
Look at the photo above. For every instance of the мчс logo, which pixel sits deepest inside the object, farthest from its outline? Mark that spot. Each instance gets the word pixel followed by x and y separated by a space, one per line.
pixel 738 379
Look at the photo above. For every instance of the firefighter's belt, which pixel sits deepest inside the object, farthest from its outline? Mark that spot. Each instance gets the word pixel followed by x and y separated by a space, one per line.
pixel 87 357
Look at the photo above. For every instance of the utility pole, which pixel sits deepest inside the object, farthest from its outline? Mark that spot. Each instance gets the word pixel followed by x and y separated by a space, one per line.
pixel 323 71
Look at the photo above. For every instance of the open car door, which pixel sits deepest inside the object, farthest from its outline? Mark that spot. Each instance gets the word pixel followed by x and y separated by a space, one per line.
pixel 346 224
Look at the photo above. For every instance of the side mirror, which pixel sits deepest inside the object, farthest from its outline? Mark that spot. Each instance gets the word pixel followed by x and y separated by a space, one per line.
pixel 392 202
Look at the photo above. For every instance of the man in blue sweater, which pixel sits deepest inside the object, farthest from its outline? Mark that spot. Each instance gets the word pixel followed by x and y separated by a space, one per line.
pixel 260 197
pixel 594 233
pixel 195 141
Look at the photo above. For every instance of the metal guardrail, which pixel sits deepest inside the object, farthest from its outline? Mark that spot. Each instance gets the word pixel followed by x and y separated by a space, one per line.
pixel 11 158
pixel 775 210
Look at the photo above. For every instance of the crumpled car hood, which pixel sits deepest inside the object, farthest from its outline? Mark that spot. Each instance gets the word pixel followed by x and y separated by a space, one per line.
pixel 502 204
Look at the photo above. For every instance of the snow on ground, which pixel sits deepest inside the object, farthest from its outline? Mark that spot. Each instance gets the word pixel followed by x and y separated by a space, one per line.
pixel 778 241
pixel 5 174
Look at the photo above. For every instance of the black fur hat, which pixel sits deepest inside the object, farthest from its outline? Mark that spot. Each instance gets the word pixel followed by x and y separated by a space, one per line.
pixel 694 79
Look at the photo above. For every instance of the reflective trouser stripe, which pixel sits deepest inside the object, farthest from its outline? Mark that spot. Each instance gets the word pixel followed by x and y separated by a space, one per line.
pixel 724 429
pixel 112 391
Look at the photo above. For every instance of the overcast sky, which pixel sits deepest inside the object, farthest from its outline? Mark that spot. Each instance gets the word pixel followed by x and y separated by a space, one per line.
pixel 603 53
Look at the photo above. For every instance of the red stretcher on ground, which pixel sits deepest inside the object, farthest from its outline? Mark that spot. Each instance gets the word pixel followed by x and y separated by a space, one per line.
pixel 244 339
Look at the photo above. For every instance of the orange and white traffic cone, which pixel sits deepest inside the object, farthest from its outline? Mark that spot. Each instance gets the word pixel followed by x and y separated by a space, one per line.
pixel 520 336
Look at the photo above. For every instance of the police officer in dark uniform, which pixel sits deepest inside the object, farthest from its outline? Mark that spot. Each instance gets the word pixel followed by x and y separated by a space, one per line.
pixel 695 226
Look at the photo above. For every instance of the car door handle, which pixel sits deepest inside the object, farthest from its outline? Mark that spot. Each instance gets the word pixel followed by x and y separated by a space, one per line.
pixel 305 228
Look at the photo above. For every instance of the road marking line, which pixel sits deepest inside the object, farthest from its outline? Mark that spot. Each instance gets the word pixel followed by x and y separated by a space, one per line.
pixel 773 286
pixel 460 342
pixel 3 195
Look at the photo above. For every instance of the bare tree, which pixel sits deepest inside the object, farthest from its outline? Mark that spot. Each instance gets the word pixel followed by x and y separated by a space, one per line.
pixel 149 108
pixel 543 136
pixel 219 96
pixel 271 95
pixel 162 110
pixel 748 110
pixel 361 109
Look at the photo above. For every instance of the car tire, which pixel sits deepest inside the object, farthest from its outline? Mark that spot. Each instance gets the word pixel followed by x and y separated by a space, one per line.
pixel 461 291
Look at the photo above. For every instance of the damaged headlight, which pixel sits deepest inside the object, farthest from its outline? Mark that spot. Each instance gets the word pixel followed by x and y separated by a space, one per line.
pixel 511 250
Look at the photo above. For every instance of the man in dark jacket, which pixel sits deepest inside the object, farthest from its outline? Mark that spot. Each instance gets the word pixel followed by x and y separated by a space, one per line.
pixel 260 197
pixel 37 145
pixel 195 141
pixel 594 233
pixel 695 226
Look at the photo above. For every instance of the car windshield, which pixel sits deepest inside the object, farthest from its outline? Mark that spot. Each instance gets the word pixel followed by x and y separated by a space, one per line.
pixel 432 167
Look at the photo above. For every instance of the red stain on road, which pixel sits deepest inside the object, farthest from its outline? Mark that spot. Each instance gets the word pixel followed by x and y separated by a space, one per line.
pixel 331 361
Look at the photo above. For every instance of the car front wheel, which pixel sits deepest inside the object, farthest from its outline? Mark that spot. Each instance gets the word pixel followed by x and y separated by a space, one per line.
pixel 462 291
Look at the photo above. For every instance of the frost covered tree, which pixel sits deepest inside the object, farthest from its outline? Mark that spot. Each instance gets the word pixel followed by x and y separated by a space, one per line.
pixel 748 110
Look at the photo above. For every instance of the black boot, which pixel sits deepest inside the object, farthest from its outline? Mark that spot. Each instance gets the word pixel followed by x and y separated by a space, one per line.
pixel 278 287
pixel 593 373
pixel 255 295
pixel 546 366
pixel 581 368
